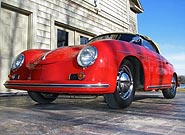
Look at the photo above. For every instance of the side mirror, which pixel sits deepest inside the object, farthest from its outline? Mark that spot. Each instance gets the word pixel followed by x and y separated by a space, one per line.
pixel 136 40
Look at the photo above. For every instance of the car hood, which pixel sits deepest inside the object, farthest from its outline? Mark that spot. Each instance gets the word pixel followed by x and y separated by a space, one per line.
pixel 60 54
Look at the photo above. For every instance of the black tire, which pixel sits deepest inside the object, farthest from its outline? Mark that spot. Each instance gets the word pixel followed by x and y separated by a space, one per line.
pixel 42 97
pixel 125 89
pixel 171 92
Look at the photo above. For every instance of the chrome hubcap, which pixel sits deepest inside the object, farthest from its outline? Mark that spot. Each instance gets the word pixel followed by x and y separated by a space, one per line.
pixel 174 85
pixel 125 83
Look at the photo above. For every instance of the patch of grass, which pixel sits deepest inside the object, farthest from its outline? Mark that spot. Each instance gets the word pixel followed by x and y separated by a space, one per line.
pixel 181 89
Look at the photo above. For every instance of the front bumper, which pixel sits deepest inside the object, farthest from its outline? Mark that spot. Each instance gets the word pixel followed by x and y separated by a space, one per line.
pixel 40 86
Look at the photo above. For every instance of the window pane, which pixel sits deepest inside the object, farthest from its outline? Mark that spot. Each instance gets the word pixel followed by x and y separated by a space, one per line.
pixel 126 37
pixel 62 38
pixel 83 40
pixel 147 45
pixel 105 36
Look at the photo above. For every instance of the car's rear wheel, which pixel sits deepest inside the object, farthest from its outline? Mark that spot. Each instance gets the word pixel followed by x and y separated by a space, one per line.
pixel 171 92
pixel 124 93
pixel 42 97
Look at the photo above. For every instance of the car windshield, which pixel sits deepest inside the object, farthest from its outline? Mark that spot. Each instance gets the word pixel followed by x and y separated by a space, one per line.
pixel 116 36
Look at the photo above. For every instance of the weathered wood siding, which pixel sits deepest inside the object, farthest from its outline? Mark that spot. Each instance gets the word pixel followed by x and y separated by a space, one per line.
pixel 113 16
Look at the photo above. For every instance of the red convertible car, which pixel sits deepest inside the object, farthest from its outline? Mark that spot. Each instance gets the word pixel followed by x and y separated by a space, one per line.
pixel 114 65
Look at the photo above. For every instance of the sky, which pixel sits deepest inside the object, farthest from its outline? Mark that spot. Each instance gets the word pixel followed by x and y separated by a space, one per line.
pixel 164 22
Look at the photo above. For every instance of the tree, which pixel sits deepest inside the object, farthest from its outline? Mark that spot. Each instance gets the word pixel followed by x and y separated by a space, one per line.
pixel 181 79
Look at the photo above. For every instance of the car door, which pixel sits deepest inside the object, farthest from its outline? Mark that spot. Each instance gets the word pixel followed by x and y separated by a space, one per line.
pixel 166 70
pixel 156 65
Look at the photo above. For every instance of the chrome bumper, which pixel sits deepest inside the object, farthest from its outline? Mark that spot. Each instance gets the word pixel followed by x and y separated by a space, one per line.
pixel 57 85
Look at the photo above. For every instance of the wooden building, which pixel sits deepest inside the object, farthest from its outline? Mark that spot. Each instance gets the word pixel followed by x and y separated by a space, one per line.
pixel 26 24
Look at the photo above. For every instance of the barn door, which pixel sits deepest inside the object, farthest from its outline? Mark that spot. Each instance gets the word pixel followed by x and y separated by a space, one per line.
pixel 13 40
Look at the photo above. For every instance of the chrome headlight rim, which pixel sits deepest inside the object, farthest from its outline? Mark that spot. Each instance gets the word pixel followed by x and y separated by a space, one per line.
pixel 17 63
pixel 90 53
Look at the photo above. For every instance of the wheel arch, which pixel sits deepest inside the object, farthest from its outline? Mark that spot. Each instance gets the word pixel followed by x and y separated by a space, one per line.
pixel 176 76
pixel 138 71
pixel 34 54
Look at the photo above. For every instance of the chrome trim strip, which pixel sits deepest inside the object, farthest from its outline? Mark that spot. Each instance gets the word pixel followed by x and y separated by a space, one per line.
pixel 59 85
pixel 160 86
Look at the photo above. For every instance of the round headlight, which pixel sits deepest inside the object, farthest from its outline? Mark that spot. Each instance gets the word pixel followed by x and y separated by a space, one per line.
pixel 87 56
pixel 18 62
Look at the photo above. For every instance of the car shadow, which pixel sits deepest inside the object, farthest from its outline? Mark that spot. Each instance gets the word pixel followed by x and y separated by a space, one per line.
pixel 147 96
pixel 91 102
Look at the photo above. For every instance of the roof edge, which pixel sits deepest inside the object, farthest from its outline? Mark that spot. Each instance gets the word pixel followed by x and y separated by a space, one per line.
pixel 136 6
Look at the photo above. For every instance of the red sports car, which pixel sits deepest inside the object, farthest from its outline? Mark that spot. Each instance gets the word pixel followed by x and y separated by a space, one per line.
pixel 114 65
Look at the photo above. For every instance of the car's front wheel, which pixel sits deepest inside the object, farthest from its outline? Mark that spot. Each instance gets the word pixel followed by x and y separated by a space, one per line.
pixel 124 93
pixel 42 97
pixel 171 92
